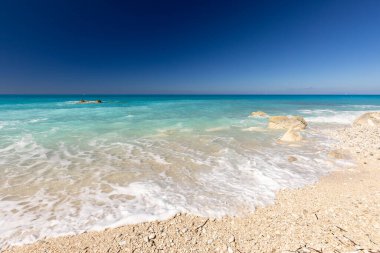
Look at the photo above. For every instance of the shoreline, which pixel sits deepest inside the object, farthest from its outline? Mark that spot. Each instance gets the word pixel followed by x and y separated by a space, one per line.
pixel 340 212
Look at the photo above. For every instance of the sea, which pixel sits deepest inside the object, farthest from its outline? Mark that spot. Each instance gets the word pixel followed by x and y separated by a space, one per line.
pixel 67 168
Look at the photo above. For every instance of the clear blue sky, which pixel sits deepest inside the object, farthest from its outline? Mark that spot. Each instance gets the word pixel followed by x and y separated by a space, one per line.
pixel 189 46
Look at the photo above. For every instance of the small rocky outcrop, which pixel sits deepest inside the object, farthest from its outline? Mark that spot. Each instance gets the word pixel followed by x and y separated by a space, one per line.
pixel 287 122
pixel 82 101
pixel 259 114
pixel 291 135
pixel 368 119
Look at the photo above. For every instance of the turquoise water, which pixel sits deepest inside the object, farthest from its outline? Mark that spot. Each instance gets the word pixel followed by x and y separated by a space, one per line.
pixel 69 167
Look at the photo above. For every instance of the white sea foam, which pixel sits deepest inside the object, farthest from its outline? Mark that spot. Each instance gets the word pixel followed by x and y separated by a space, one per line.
pixel 254 129
pixel 317 111
pixel 37 120
pixel 67 103
pixel 364 107
pixel 217 129
pixel 176 129
pixel 343 114
pixel 9 123
pixel 331 116
pixel 69 187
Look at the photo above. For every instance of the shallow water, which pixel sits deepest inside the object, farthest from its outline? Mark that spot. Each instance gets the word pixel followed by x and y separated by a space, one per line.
pixel 68 168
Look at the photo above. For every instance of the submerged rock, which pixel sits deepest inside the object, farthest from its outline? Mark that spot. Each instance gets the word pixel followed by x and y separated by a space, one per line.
pixel 339 154
pixel 259 114
pixel 291 135
pixel 368 119
pixel 285 122
pixel 292 159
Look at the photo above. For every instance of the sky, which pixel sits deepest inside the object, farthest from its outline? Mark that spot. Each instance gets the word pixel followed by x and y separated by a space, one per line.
pixel 189 47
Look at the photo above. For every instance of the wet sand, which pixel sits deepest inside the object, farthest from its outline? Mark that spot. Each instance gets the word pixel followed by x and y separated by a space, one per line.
pixel 340 213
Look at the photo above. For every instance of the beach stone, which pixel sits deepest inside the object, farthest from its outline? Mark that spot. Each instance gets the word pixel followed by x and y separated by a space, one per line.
pixel 152 236
pixel 122 243
pixel 368 119
pixel 291 135
pixel 285 122
pixel 259 114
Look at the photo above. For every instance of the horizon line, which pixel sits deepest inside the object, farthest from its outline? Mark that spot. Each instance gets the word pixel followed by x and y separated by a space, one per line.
pixel 190 94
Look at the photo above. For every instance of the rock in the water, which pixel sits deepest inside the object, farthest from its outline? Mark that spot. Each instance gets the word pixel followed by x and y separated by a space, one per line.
pixel 82 101
pixel 292 159
pixel 291 135
pixel 259 114
pixel 368 119
pixel 339 154
pixel 285 122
